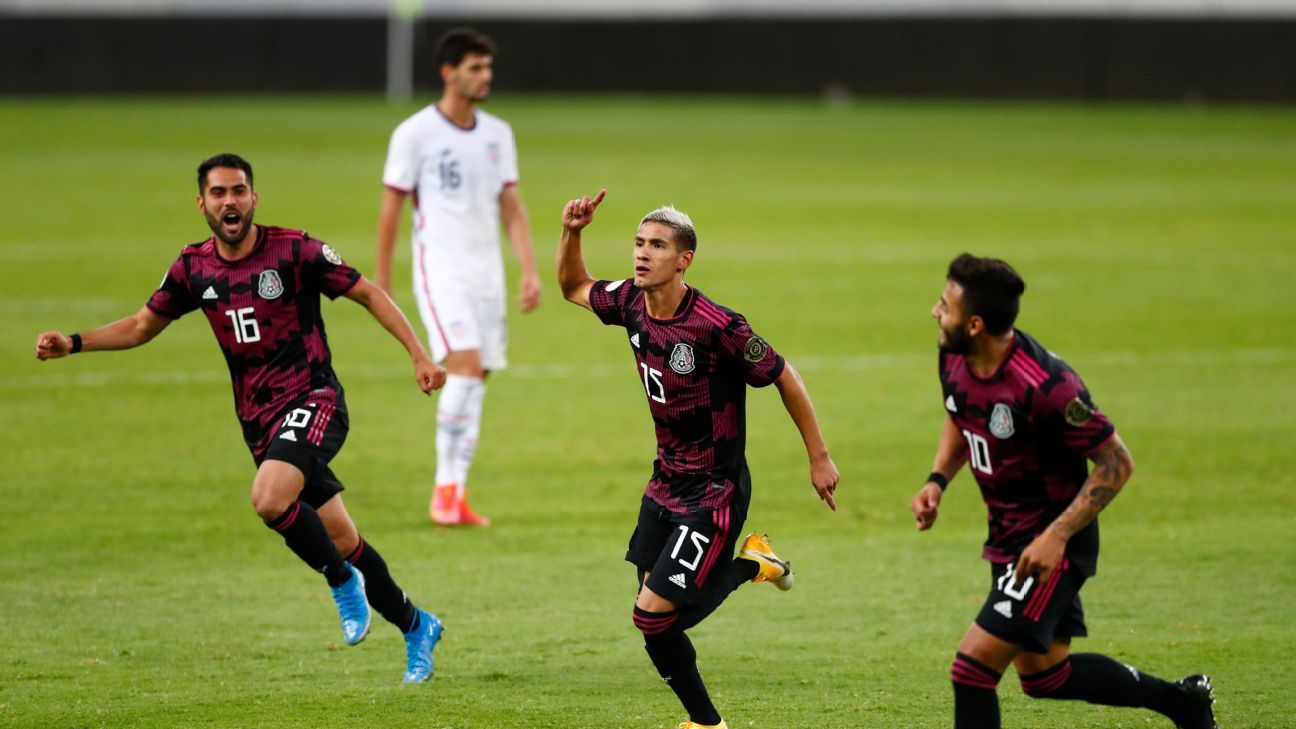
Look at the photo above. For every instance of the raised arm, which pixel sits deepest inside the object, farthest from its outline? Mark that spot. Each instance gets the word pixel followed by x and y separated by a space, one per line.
pixel 796 399
pixel 429 375
pixel 134 330
pixel 1113 466
pixel 951 454
pixel 393 202
pixel 513 213
pixel 573 278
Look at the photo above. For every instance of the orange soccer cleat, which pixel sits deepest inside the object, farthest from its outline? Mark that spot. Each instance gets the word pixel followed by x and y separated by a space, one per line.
pixel 468 517
pixel 756 547
pixel 444 508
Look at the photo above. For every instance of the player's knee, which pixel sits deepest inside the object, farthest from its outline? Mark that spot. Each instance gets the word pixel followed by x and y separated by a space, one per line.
pixel 652 624
pixel 346 542
pixel 266 508
pixel 275 488
pixel 268 504
pixel 465 362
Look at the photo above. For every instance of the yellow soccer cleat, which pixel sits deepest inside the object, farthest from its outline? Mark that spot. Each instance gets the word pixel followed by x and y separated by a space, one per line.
pixel 756 547
pixel 695 725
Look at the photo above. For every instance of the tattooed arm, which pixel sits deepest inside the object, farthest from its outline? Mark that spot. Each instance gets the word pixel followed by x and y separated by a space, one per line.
pixel 1112 468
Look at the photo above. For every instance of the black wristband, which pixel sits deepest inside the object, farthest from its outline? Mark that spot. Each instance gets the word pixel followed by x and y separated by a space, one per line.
pixel 939 479
pixel 76 343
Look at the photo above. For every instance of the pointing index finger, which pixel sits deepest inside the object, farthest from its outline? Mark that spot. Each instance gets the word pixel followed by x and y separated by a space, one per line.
pixel 599 197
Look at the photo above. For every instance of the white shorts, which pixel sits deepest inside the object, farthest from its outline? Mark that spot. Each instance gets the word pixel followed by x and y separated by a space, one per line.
pixel 458 318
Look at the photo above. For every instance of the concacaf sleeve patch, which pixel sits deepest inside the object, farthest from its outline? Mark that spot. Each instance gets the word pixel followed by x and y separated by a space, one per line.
pixel 1078 413
pixel 331 255
pixel 755 349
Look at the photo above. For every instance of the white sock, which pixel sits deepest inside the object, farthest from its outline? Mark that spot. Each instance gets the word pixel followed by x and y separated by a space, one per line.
pixel 452 420
pixel 467 445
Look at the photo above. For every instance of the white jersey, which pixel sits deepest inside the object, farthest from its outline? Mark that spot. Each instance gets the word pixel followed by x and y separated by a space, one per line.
pixel 456 176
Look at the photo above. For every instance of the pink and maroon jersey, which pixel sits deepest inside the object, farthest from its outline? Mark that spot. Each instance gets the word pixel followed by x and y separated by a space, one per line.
pixel 695 368
pixel 265 312
pixel 1029 427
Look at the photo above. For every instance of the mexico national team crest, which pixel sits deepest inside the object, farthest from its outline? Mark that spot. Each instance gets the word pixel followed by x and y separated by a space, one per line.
pixel 682 359
pixel 1001 422
pixel 268 284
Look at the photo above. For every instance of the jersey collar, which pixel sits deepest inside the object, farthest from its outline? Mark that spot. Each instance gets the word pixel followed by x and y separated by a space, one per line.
pixel 998 370
pixel 449 122
pixel 256 246
pixel 685 305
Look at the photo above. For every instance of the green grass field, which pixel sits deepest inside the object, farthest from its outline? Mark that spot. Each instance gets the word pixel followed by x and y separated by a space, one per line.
pixel 1158 244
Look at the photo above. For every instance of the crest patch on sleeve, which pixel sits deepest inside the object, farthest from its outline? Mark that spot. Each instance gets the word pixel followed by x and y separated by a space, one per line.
pixel 1078 412
pixel 755 349
pixel 331 255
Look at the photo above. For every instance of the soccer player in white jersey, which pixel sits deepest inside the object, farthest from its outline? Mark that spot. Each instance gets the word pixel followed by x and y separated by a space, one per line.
pixel 460 165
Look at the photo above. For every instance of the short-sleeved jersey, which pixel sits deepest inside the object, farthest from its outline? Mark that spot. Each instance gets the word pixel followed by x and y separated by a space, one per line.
pixel 455 176
pixel 1029 427
pixel 695 368
pixel 265 312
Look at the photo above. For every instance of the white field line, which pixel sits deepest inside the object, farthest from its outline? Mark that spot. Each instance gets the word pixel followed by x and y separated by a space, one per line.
pixel 54 379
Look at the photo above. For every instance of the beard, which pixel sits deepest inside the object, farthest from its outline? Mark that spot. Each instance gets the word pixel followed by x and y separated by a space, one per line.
pixel 955 342
pixel 217 225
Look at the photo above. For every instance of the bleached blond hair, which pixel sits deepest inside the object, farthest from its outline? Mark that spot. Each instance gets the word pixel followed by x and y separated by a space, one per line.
pixel 679 222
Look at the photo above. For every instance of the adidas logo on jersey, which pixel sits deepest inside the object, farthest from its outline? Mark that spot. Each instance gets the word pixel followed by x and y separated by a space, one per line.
pixel 678 580
pixel 634 339
pixel 1004 608
pixel 288 435
pixel 210 293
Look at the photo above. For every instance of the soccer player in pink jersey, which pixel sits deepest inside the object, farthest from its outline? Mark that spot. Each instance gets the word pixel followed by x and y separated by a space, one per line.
pixel 1024 423
pixel 259 287
pixel 695 359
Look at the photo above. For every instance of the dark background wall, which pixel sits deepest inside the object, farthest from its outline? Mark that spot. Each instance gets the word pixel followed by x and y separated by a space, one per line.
pixel 1212 59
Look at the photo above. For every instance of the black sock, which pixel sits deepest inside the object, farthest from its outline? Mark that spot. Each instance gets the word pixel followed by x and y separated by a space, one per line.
pixel 742 571
pixel 306 536
pixel 383 593
pixel 1100 680
pixel 676 662
pixel 976 705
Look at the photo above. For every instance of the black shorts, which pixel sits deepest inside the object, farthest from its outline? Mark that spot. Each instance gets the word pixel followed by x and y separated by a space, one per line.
pixel 308 435
pixel 1033 614
pixel 689 556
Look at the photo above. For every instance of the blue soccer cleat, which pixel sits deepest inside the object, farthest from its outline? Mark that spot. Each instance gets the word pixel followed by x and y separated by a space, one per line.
pixel 352 607
pixel 419 643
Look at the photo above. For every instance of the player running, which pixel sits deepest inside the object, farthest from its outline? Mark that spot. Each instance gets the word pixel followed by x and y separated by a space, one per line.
pixel 259 287
pixel 1025 423
pixel 460 165
pixel 695 359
